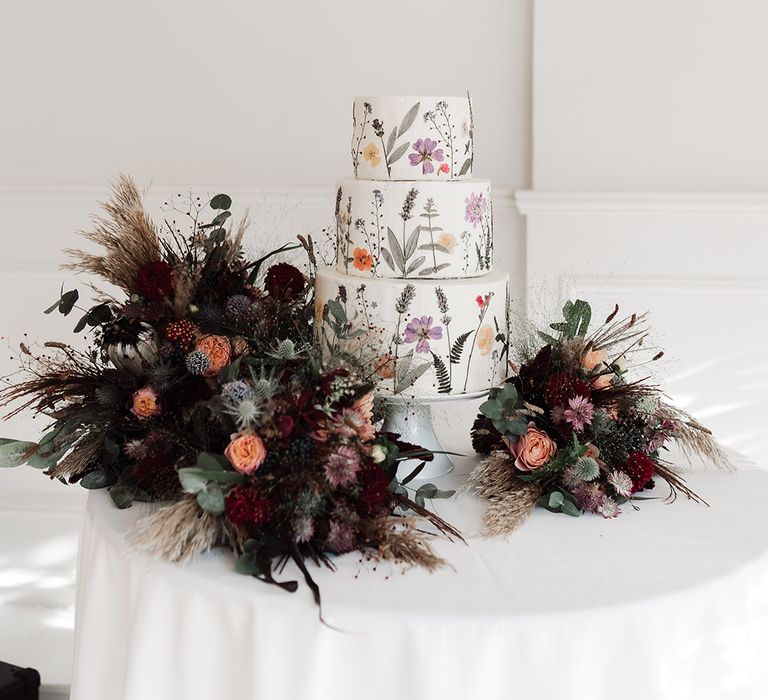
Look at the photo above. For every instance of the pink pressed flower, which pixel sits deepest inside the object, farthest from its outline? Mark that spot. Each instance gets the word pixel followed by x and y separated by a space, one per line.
pixel 426 151
pixel 477 206
pixel 580 412
pixel 444 168
pixel 342 466
pixel 421 331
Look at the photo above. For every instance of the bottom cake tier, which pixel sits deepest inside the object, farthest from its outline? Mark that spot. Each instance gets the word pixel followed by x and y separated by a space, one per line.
pixel 420 337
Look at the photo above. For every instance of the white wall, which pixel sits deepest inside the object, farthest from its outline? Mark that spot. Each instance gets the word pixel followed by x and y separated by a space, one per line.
pixel 657 95
pixel 650 174
pixel 249 97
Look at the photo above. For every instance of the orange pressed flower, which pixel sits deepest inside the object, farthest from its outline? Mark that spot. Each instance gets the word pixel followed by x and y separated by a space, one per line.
pixel 362 259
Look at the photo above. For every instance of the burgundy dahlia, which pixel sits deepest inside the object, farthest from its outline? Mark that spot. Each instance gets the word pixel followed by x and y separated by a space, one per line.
pixel 562 387
pixel 374 497
pixel 284 281
pixel 248 506
pixel 639 467
pixel 155 281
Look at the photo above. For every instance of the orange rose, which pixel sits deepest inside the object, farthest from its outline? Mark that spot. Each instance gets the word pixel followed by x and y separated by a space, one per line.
pixel 145 403
pixel 533 450
pixel 219 352
pixel 362 259
pixel 246 453
pixel 485 337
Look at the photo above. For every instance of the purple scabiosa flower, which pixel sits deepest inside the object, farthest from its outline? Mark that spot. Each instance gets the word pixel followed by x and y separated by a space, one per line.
pixel 341 537
pixel 579 413
pixel 477 207
pixel 426 152
pixel 620 483
pixel 342 466
pixel 421 331
pixel 609 508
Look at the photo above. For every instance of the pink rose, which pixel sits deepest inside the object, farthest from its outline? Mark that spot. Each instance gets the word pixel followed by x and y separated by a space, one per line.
pixel 246 453
pixel 533 450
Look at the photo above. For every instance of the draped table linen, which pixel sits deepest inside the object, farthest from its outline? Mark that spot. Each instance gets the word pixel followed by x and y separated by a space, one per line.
pixel 667 601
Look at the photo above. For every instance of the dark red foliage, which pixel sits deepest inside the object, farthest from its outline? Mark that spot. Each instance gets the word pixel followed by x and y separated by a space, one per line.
pixel 156 473
pixel 155 281
pixel 639 467
pixel 285 425
pixel 284 281
pixel 246 505
pixel 562 387
pixel 375 497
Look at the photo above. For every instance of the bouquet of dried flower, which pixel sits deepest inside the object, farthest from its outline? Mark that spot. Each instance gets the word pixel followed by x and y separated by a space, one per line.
pixel 202 390
pixel 573 432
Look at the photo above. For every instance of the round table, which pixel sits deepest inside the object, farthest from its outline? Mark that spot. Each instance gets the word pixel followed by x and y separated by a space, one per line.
pixel 669 601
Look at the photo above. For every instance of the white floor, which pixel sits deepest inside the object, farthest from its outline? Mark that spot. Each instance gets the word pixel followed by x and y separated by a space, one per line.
pixel 38 553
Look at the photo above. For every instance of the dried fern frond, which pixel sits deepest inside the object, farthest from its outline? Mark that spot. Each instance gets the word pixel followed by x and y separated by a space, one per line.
pixel 400 541
pixel 694 438
pixel 86 454
pixel 126 233
pixel 178 532
pixel 511 501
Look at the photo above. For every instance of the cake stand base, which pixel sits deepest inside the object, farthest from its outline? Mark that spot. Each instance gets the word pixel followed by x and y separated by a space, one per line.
pixel 411 418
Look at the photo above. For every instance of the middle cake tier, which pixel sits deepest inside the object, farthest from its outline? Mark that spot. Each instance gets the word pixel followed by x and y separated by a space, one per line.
pixel 414 229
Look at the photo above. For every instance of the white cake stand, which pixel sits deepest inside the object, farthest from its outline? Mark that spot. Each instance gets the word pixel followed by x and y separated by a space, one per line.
pixel 411 418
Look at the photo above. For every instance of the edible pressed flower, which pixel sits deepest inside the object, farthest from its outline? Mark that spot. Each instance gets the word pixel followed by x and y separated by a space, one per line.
pixel 371 154
pixel 362 259
pixel 476 209
pixel 421 331
pixel 426 152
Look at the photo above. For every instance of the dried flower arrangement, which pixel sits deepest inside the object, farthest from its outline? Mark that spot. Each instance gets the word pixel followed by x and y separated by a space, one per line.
pixel 202 390
pixel 572 432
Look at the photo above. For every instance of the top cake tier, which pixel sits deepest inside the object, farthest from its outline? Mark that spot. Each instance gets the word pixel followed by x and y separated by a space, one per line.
pixel 412 138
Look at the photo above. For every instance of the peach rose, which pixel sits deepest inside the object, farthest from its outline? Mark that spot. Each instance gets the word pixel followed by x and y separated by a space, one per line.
pixel 602 381
pixel 533 450
pixel 593 358
pixel 246 453
pixel 219 351
pixel 485 337
pixel 145 403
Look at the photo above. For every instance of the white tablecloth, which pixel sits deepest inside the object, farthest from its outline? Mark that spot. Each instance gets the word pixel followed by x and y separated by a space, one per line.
pixel 670 601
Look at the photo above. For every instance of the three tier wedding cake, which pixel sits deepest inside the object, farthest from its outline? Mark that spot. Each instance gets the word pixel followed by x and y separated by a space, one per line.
pixel 413 280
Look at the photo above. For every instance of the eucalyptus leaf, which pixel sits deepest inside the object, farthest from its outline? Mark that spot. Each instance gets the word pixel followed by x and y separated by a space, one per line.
pixel 556 499
pixel 221 201
pixel 247 564
pixel 94 480
pixel 13 452
pixel 123 496
pixel 211 500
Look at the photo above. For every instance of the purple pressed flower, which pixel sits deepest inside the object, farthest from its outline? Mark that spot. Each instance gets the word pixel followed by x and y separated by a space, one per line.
pixel 421 331
pixel 579 413
pixel 342 466
pixel 477 206
pixel 426 151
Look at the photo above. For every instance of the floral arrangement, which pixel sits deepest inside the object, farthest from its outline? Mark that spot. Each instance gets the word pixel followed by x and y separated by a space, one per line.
pixel 573 431
pixel 202 390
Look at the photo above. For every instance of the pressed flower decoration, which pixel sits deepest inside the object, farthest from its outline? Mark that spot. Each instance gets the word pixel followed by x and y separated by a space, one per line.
pixel 426 152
